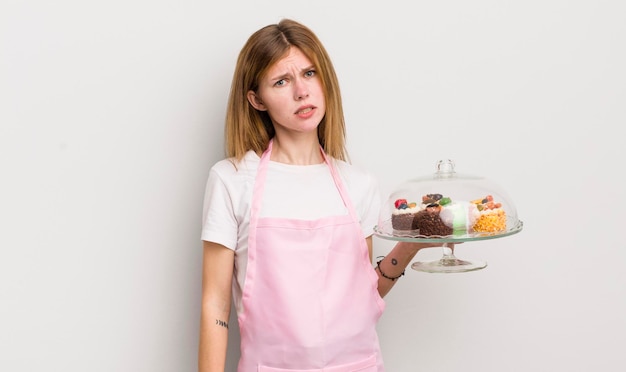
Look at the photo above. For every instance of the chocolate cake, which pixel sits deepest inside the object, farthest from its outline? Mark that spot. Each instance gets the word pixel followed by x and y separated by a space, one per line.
pixel 403 216
pixel 429 222
pixel 404 221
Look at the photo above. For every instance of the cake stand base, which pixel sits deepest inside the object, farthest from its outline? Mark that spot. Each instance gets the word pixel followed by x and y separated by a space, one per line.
pixel 448 265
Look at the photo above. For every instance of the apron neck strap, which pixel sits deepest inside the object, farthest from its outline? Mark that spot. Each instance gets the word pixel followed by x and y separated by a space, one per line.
pixel 259 184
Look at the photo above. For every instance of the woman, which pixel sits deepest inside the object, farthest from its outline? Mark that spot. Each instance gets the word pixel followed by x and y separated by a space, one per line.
pixel 291 221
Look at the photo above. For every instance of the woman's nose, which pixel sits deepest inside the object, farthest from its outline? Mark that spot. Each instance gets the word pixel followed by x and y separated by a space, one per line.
pixel 301 90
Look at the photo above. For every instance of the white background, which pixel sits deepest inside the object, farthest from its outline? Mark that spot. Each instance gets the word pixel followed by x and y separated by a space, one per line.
pixel 112 113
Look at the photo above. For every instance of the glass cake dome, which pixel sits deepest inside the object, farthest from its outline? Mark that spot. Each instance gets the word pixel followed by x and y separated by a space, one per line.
pixel 448 207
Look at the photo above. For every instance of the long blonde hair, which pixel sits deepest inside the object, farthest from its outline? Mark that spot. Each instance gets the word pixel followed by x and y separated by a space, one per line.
pixel 248 129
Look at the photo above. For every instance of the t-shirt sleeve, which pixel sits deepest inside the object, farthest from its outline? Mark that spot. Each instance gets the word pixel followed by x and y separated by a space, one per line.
pixel 371 206
pixel 219 224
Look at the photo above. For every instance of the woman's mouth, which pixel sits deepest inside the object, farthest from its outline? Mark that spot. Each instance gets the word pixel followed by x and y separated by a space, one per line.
pixel 305 112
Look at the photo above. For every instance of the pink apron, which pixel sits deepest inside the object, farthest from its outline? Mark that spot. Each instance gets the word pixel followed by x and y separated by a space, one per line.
pixel 310 298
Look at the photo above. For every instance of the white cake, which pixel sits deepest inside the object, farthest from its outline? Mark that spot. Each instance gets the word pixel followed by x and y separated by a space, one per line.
pixel 460 216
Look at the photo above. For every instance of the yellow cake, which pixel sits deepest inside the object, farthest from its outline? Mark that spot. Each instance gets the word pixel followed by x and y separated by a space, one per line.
pixel 491 215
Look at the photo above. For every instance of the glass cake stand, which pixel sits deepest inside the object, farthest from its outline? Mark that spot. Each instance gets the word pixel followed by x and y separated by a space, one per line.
pixel 448 263
pixel 460 189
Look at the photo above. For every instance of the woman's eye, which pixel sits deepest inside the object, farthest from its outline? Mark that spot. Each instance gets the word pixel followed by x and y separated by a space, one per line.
pixel 280 82
pixel 309 73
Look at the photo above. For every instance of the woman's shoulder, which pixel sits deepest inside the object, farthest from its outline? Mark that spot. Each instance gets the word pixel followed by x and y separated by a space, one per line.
pixel 353 171
pixel 231 167
pixel 358 179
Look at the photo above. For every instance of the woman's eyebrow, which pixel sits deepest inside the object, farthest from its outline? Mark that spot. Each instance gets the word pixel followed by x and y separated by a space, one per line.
pixel 287 74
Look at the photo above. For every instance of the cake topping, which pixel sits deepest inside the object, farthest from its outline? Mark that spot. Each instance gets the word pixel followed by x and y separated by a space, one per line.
pixel 486 203
pixel 403 204
pixel 435 200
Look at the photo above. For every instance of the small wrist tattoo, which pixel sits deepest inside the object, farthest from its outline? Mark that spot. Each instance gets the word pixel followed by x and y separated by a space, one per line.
pixel 221 323
pixel 394 261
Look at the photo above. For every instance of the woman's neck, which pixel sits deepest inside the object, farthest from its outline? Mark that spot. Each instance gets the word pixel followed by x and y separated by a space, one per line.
pixel 302 151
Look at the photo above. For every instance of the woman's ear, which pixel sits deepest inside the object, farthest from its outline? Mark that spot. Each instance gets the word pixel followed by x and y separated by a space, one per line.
pixel 255 101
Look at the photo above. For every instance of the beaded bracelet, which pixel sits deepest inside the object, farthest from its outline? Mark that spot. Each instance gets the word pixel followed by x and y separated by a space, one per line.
pixel 392 278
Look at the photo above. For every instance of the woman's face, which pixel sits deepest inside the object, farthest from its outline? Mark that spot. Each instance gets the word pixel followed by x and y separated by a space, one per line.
pixel 291 92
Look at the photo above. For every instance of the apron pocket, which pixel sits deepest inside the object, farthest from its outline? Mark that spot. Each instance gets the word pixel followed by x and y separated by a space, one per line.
pixel 366 365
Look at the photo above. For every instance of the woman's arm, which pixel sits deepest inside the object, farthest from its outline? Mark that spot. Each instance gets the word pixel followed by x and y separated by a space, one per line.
pixel 217 274
pixel 395 262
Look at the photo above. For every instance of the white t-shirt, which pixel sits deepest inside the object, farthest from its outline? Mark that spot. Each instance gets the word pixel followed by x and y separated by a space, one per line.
pixel 291 191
